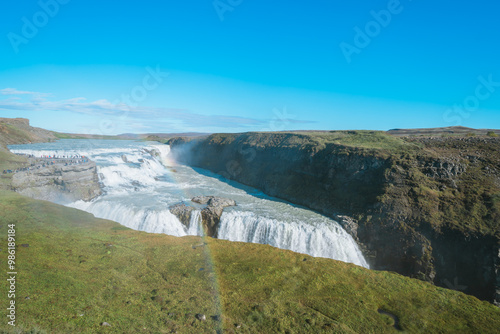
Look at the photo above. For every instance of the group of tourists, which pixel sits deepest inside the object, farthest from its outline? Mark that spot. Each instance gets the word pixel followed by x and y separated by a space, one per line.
pixel 76 156
pixel 48 160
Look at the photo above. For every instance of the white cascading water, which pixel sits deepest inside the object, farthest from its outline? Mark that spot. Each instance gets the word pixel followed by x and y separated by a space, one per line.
pixel 140 181
pixel 195 223
pixel 153 221
pixel 330 241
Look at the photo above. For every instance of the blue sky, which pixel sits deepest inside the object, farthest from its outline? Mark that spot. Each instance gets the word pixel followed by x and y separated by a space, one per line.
pixel 249 65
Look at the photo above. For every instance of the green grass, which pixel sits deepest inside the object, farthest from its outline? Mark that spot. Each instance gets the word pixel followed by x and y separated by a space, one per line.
pixel 10 134
pixel 472 207
pixel 79 271
pixel 371 140
pixel 9 161
pixel 378 143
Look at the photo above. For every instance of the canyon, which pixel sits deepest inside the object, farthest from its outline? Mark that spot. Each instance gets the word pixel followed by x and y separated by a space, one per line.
pixel 425 207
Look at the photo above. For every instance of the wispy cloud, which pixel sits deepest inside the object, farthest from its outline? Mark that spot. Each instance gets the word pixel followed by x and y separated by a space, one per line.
pixel 142 117
pixel 297 121
pixel 13 91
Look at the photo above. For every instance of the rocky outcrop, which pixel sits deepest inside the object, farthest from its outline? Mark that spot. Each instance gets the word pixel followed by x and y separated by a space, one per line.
pixel 214 201
pixel 59 183
pixel 210 215
pixel 183 212
pixel 428 211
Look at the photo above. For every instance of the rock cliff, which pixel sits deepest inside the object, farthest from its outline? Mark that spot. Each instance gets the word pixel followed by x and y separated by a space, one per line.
pixel 183 212
pixel 427 207
pixel 210 214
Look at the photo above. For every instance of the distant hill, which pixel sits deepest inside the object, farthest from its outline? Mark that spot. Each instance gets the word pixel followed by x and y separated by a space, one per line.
pixel 450 130
pixel 19 131
pixel 162 137
pixel 131 136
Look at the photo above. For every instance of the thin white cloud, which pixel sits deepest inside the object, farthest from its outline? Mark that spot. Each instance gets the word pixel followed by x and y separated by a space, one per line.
pixel 141 116
pixel 14 91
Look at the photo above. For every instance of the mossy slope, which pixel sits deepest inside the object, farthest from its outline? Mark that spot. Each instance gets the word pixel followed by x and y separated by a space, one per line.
pixel 79 271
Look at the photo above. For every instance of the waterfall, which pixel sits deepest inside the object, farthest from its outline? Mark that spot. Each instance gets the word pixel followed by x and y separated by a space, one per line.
pixel 139 186
pixel 195 223
pixel 323 240
pixel 148 220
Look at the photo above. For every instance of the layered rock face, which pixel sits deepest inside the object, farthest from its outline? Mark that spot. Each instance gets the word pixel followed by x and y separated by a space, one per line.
pixel 183 212
pixel 59 183
pixel 430 211
pixel 210 214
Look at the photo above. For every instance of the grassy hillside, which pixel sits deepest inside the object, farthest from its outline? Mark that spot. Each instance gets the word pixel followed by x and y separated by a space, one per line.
pixel 19 131
pixel 447 131
pixel 373 142
pixel 76 272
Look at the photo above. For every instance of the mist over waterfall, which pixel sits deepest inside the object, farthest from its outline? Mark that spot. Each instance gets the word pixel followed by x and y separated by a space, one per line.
pixel 140 181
